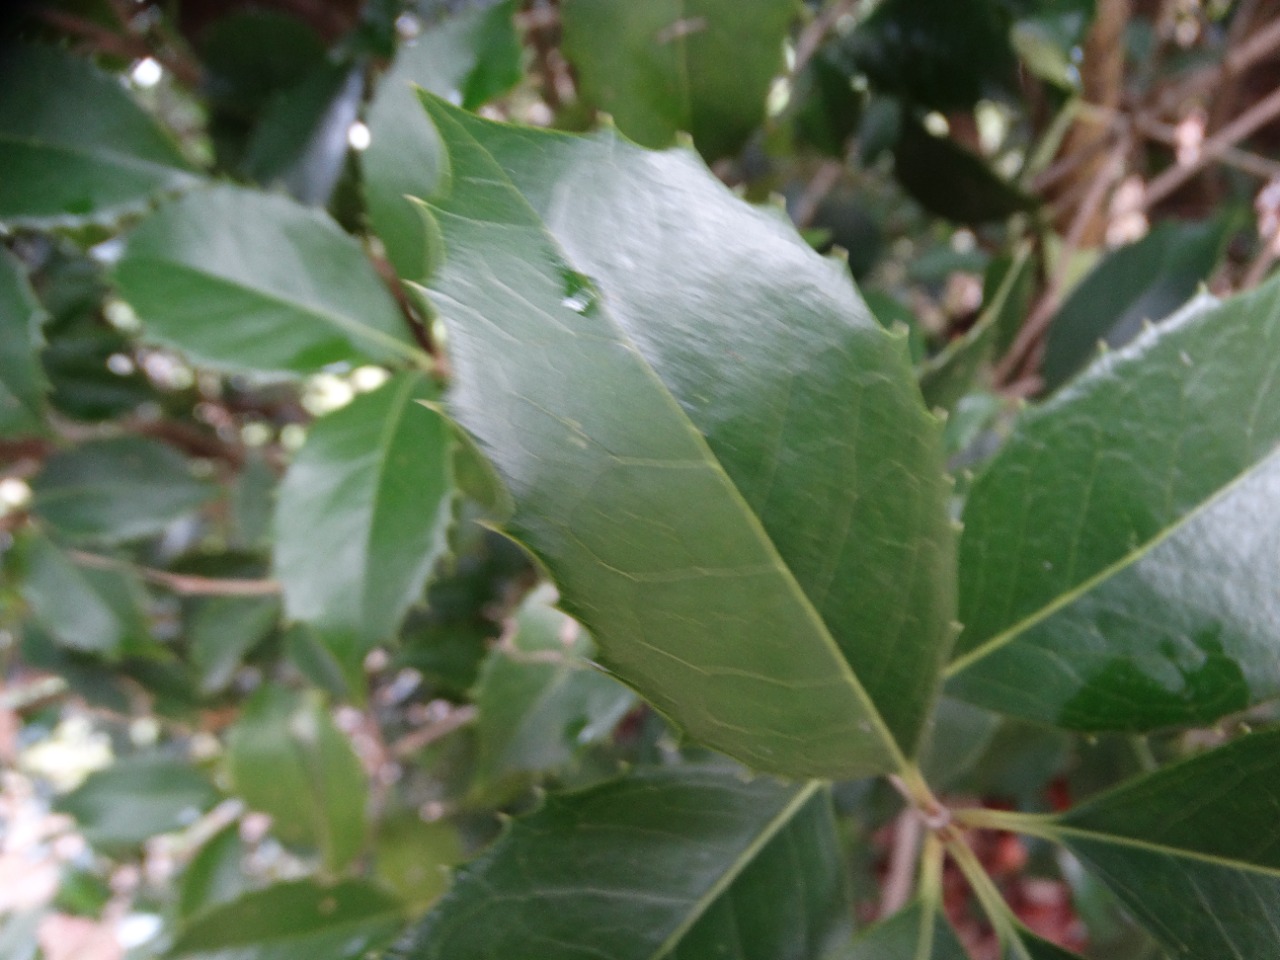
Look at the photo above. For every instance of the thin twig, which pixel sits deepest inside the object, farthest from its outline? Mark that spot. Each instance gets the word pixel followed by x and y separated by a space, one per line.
pixel 1263 42
pixel 816 191
pixel 183 583
pixel 426 735
pixel 812 36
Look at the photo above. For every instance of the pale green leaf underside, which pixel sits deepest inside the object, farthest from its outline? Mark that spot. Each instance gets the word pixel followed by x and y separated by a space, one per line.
pixel 720 457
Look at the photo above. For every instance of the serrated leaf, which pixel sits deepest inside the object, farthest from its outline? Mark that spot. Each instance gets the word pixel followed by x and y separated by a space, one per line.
pixel 916 932
pixel 716 451
pixel 301 920
pixel 651 866
pixel 1192 850
pixel 286 758
pixel 469 58
pixel 1084 585
pixel 73 146
pixel 363 513
pixel 701 67
pixel 120 806
pixel 22 381
pixel 241 280
pixel 539 701
pixel 113 491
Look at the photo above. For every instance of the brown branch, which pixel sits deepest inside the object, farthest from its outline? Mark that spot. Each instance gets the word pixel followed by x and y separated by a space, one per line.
pixel 815 192
pixel 123 45
pixel 183 583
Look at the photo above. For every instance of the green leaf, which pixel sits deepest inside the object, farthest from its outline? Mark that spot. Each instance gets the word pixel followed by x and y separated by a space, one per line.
pixel 469 58
pixel 951 181
pixel 248 281
pixel 22 382
pixel 1084 591
pixel 661 402
pixel 112 491
pixel 73 146
pixel 414 857
pixel 301 920
pixel 286 758
pixel 1030 947
pixel 661 864
pixel 135 798
pixel 363 513
pixel 1138 283
pixel 215 874
pixel 699 66
pixel 83 608
pixel 1191 849
pixel 917 932
pixel 223 630
pixel 539 701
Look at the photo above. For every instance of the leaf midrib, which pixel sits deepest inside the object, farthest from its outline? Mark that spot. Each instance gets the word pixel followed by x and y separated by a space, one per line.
pixel 754 522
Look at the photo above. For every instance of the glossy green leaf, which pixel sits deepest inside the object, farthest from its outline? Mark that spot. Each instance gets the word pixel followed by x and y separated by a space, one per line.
pixel 111 491
pixel 286 758
pixel 137 797
pixel 300 920
pixel 539 701
pixel 1139 283
pixel 916 932
pixel 469 58
pixel 249 281
pixel 1192 849
pixel 1120 555
pixel 661 864
pixel 73 145
pixel 364 511
pixel 215 875
pixel 223 630
pixel 22 382
pixel 719 455
pixel 84 608
pixel 703 67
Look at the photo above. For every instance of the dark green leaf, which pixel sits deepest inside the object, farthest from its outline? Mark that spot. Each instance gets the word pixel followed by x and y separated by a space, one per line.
pixel 215 875
pixel 223 630
pixel 951 181
pixel 248 281
pixel 73 145
pixel 916 932
pixel 137 797
pixel 469 59
pixel 111 491
pixel 288 759
pixel 661 402
pixel 364 511
pixel 1085 591
pixel 1027 946
pixel 1142 282
pixel 635 869
pixel 699 66
pixel 22 382
pixel 301 920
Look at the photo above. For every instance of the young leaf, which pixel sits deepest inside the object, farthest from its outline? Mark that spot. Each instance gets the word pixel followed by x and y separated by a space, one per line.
pixel 22 381
pixel 249 281
pixel 111 491
pixel 719 455
pixel 1120 554
pixel 699 66
pixel 73 146
pixel 916 932
pixel 301 920
pixel 363 513
pixel 1192 849
pixel 661 864
pixel 288 759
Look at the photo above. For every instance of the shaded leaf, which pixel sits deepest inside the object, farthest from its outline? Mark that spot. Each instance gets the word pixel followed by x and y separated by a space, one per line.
pixel 248 281
pixel 286 758
pixel 73 145
pixel 1084 590
pixel 22 381
pixel 916 932
pixel 363 513
pixel 137 797
pixel 414 857
pixel 111 491
pixel 301 920
pixel 660 402
pixel 215 874
pixel 951 181
pixel 223 630
pixel 699 66
pixel 655 865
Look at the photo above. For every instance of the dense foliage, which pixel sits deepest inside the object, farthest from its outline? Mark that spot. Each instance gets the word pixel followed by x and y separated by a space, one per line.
pixel 637 480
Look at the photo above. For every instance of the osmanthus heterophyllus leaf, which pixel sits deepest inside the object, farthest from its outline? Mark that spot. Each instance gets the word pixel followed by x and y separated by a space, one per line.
pixel 1120 555
pixel 720 457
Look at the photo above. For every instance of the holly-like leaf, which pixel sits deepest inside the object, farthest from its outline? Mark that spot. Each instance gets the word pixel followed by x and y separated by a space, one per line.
pixel 699 66
pixel 301 920
pixel 717 452
pixel 363 513
pixel 73 145
pixel 242 280
pixel 661 864
pixel 22 382
pixel 1120 555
